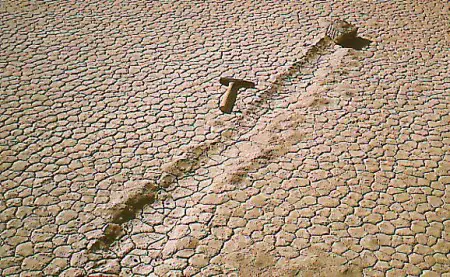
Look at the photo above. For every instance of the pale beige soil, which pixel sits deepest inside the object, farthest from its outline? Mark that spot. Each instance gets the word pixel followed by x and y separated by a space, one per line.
pixel 116 161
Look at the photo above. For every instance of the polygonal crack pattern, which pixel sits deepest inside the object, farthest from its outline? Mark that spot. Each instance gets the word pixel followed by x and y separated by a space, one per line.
pixel 341 165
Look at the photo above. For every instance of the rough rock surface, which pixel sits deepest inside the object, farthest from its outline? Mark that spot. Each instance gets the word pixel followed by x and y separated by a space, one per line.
pixel 340 30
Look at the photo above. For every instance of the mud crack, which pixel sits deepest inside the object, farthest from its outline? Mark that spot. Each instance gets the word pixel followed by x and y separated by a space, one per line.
pixel 138 197
pixel 277 145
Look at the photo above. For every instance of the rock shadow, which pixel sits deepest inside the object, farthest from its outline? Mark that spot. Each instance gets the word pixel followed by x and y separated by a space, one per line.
pixel 357 43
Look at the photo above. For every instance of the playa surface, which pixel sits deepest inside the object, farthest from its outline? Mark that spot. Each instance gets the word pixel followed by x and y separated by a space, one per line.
pixel 116 161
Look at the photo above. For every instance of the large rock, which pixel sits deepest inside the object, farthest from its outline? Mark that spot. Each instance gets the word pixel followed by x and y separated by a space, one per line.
pixel 340 31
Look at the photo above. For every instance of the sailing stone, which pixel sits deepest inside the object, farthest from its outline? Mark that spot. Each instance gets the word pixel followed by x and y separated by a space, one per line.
pixel 340 31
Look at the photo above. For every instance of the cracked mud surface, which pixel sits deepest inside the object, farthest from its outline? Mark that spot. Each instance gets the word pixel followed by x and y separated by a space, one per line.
pixel 115 159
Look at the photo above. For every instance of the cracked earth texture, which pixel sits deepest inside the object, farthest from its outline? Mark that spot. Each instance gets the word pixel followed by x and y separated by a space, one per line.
pixel 343 170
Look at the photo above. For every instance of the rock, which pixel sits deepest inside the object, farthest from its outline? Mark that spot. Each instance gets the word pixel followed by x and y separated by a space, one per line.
pixel 340 31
